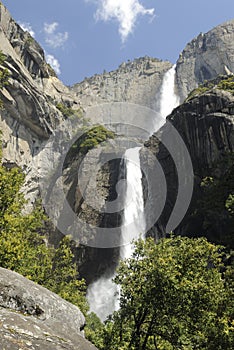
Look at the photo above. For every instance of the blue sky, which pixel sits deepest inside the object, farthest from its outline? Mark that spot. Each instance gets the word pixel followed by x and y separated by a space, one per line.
pixel 84 37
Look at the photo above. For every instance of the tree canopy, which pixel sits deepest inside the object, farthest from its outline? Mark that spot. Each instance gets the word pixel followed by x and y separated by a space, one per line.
pixel 23 246
pixel 174 295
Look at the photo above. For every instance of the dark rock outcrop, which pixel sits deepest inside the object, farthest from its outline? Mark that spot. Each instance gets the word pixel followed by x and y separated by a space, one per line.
pixel 32 317
pixel 206 125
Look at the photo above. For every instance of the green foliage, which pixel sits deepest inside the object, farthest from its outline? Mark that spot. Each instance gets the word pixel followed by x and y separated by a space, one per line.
pixel 23 248
pixel 174 295
pixel 221 83
pixel 229 204
pixel 215 207
pixel 4 74
pixel 92 138
pixel 68 111
pixel 94 329
pixel 64 277
pixel 227 84
pixel 29 41
pixel 201 89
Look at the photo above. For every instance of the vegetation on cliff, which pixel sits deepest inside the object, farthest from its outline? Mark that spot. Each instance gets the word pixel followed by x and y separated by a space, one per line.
pixel 225 83
pixel 213 213
pixel 4 74
pixel 90 139
pixel 68 111
pixel 23 245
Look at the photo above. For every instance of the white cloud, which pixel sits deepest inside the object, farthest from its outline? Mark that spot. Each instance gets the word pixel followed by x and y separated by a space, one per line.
pixel 125 12
pixel 50 28
pixel 27 27
pixel 54 63
pixel 53 38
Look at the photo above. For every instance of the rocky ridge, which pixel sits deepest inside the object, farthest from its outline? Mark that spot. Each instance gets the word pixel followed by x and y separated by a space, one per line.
pixel 135 81
pixel 32 317
pixel 205 57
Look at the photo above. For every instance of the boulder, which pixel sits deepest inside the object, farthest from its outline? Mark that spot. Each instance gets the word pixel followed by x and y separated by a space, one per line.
pixel 32 317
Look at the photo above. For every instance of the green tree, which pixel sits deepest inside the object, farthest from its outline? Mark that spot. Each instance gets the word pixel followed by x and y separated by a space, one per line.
pixel 215 206
pixel 173 296
pixel 94 329
pixel 64 277
pixel 4 74
pixel 23 245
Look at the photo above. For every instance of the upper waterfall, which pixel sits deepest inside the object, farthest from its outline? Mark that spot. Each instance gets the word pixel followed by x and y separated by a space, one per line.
pixel 168 97
pixel 103 295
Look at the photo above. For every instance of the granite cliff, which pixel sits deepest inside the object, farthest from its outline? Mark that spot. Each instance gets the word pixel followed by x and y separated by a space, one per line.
pixel 205 57
pixel 205 122
pixel 37 103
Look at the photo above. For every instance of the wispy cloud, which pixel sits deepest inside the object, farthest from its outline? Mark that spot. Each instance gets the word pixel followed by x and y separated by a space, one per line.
pixel 54 63
pixel 125 12
pixel 27 27
pixel 53 38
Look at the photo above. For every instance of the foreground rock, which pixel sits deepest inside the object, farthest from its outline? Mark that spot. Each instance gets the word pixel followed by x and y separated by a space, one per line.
pixel 31 317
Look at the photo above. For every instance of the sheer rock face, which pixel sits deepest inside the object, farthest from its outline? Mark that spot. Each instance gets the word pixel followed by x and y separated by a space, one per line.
pixel 30 115
pixel 205 57
pixel 32 317
pixel 206 125
pixel 137 82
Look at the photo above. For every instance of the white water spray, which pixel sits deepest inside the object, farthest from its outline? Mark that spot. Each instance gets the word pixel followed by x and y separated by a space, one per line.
pixel 103 295
pixel 168 97
pixel 133 219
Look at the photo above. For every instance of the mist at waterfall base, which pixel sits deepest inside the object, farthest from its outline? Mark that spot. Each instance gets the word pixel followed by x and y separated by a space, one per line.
pixel 103 294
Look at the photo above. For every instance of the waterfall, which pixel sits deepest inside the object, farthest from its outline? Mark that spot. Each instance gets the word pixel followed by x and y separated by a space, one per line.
pixel 103 294
pixel 133 219
pixel 168 98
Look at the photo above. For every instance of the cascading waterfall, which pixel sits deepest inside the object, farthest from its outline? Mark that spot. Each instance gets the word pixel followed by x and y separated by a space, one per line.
pixel 103 294
pixel 168 98
pixel 133 218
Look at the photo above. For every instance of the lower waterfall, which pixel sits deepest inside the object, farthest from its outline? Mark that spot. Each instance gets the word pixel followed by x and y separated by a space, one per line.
pixel 103 294
pixel 133 225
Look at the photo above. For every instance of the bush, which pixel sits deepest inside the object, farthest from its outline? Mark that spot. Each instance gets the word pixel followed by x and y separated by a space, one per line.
pixel 23 248
pixel 4 74
pixel 91 139
pixel 68 111
pixel 225 83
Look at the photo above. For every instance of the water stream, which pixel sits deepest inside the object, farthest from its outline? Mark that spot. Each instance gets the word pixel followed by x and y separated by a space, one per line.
pixel 103 294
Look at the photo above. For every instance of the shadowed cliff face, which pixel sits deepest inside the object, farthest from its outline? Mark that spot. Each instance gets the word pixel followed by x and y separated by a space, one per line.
pixel 206 125
pixel 205 57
